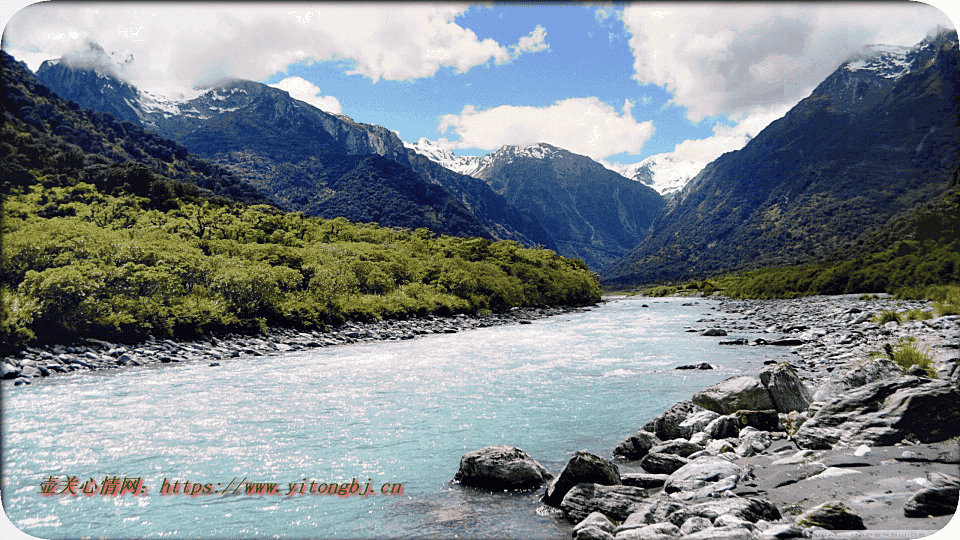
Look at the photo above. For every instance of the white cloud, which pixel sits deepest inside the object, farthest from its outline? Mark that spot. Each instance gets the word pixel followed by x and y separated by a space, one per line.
pixel 736 59
pixel 200 43
pixel 729 138
pixel 304 90
pixel 584 126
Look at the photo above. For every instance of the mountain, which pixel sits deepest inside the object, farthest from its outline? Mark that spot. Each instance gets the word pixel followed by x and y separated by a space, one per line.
pixel 591 212
pixel 434 152
pixel 877 138
pixel 665 173
pixel 301 157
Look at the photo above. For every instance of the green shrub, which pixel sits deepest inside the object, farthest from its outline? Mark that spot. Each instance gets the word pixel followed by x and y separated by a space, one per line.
pixel 908 354
pixel 887 316
pixel 917 315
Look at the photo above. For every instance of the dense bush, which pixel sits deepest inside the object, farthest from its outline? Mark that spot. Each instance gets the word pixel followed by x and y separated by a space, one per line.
pixel 79 262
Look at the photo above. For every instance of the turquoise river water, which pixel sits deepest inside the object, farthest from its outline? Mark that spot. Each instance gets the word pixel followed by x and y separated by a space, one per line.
pixel 385 414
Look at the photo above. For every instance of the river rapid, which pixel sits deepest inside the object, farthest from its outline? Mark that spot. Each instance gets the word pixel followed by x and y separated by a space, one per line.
pixel 392 418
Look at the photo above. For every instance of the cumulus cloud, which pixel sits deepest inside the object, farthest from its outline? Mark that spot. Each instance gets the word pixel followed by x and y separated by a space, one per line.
pixel 727 138
pixel 201 43
pixel 304 90
pixel 735 59
pixel 584 126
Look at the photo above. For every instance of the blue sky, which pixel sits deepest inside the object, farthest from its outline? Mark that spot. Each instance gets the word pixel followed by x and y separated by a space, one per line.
pixel 617 82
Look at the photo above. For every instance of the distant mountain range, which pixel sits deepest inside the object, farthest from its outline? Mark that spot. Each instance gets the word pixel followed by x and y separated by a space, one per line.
pixel 876 138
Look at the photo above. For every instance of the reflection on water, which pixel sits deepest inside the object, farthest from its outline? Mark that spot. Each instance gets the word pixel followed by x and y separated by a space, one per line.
pixel 400 412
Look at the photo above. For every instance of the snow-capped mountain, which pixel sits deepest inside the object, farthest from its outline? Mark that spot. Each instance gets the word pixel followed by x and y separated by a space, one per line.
pixel 663 172
pixel 433 151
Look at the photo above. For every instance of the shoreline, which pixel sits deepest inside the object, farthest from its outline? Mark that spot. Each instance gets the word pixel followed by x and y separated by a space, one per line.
pixel 45 361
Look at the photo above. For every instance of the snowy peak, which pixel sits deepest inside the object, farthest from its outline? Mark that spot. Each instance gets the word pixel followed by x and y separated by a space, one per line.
pixel 887 61
pixel 433 151
pixel 535 151
pixel 665 173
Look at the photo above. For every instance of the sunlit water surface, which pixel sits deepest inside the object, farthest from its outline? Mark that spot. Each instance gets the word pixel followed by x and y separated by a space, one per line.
pixel 400 412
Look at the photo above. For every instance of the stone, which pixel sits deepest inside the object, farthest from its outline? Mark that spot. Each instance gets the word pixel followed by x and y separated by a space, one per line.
pixel 786 389
pixel 637 445
pixel 723 427
pixel 644 480
pixel 747 509
pixel 658 463
pixel 785 342
pixel 699 473
pixel 713 332
pixel 696 422
pixel 741 341
pixel 595 520
pixel 680 447
pixel 666 425
pixel 695 524
pixel 657 531
pixel 615 502
pixel 754 439
pixel 783 531
pixel 701 365
pixel 863 373
pixel 500 467
pixel 8 371
pixel 831 515
pixel 734 394
pixel 884 413
pixel 722 533
pixel 583 468
pixel 941 498
pixel 767 420
pixel 719 446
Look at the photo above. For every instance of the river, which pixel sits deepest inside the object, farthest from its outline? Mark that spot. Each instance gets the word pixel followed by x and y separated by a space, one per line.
pixel 396 416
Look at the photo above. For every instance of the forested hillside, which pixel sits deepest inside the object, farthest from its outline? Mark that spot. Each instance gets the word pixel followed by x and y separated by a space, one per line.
pixel 112 232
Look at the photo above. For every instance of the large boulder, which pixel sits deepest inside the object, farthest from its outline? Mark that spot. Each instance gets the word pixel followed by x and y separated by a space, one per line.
pixel 747 509
pixel 596 526
pixel 583 468
pixel 658 463
pixel 666 425
pixel 696 423
pixel 723 427
pixel 939 499
pixel 884 413
pixel 637 445
pixel 833 516
pixel 786 389
pixel 734 394
pixel 501 467
pixel 699 473
pixel 680 447
pixel 861 374
pixel 615 502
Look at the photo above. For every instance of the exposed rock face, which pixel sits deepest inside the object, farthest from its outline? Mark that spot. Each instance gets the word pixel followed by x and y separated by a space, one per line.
pixel 666 425
pixel 734 394
pixel 583 468
pixel 637 445
pixel 616 502
pixel 833 516
pixel 940 499
pixel 501 467
pixel 701 472
pixel 869 371
pixel 885 412
pixel 786 389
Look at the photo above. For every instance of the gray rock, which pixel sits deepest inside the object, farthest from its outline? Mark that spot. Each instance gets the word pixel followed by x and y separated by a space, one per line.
pixel 723 427
pixel 784 531
pixel 644 480
pixel 666 425
pixel 701 366
pixel 615 502
pixel 658 463
pixel 8 371
pixel 863 373
pixel 884 413
pixel 596 526
pixel 747 509
pixel 696 423
pixel 831 515
pixel 680 447
pixel 941 498
pixel 500 467
pixel 713 332
pixel 722 533
pixel 786 389
pixel 766 420
pixel 583 468
pixel 734 394
pixel 637 445
pixel 695 524
pixel 699 473
pixel 657 531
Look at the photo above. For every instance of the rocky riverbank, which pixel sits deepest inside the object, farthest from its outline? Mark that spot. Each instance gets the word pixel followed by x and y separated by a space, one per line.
pixel 91 355
pixel 836 440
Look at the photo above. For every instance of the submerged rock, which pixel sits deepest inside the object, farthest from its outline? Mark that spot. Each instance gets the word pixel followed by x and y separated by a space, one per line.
pixel 501 467
pixel 583 468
